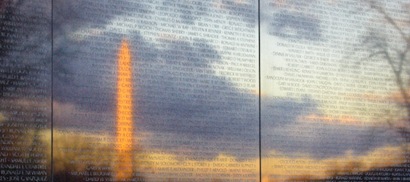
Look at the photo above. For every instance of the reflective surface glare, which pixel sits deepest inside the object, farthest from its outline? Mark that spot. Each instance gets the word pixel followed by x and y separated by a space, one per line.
pixel 334 88
pixel 215 90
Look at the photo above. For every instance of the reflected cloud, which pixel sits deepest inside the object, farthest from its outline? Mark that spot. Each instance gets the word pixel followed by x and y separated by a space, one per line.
pixel 297 127
pixel 277 166
pixel 72 156
pixel 178 91
pixel 342 120
pixel 193 116
pixel 287 24
pixel 398 97
pixel 160 165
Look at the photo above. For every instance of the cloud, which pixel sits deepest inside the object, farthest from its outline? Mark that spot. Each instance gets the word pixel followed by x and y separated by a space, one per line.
pixel 291 19
pixel 341 120
pixel 277 166
pixel 179 96
pixel 176 94
pixel 287 24
pixel 284 111
pixel 288 128
pixel 25 46
pixel 397 97
pixel 179 99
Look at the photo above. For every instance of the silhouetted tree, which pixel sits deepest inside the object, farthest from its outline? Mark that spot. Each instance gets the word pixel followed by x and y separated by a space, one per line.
pixel 389 40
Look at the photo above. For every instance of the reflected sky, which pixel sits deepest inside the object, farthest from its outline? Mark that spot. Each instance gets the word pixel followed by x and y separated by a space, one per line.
pixel 325 93
pixel 189 79
pixel 325 102
pixel 190 88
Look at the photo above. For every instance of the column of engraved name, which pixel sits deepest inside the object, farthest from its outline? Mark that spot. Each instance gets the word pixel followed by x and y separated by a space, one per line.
pixel 24 91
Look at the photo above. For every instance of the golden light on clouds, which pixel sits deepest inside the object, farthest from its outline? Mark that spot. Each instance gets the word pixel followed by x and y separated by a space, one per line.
pixel 124 124
pixel 341 120
pixel 279 167
pixel 163 165
pixel 400 97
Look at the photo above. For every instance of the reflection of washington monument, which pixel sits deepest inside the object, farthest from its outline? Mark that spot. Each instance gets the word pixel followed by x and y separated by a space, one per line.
pixel 124 124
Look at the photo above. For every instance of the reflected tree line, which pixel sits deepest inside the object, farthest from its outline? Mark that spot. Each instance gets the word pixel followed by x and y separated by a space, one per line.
pixel 389 41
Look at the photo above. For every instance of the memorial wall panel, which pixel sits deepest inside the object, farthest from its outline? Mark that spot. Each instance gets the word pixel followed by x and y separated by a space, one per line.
pixel 156 91
pixel 25 90
pixel 334 90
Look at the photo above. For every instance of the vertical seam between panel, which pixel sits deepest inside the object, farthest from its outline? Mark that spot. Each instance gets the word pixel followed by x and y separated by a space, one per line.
pixel 52 92
pixel 259 66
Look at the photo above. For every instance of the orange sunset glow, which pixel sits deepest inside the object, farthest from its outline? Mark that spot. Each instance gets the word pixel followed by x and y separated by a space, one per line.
pixel 124 122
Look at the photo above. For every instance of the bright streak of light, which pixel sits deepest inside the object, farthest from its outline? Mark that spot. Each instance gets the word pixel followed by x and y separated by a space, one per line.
pixel 124 144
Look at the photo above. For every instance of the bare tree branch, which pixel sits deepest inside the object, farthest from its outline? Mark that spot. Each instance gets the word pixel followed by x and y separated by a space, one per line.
pixel 389 19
